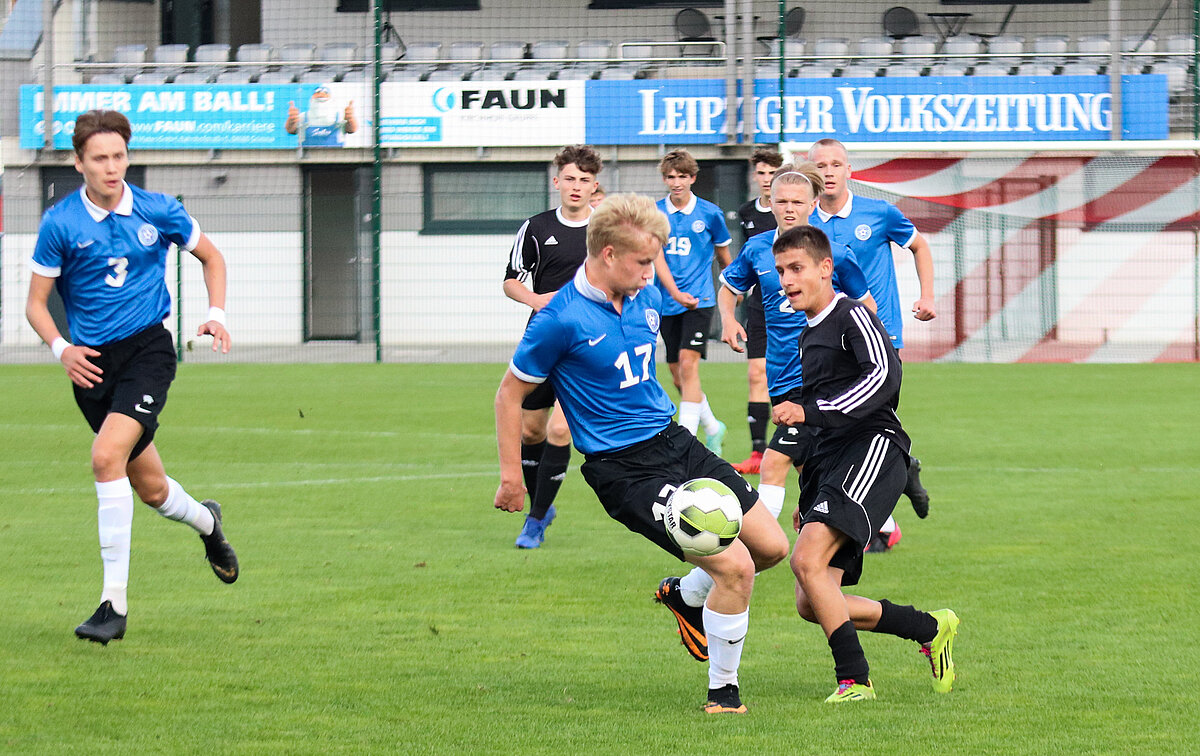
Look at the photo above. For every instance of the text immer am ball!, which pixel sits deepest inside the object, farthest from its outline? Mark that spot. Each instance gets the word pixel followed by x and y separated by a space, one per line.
pixel 703 516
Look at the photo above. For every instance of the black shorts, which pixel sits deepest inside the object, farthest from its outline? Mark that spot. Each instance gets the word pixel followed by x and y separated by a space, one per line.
pixel 854 490
pixel 687 330
pixel 137 374
pixel 634 484
pixel 795 442
pixel 756 326
pixel 541 397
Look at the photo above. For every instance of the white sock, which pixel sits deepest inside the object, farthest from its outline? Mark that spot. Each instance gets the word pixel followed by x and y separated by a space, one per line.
pixel 114 516
pixel 689 415
pixel 181 507
pixel 772 498
pixel 707 417
pixel 888 526
pixel 694 587
pixel 726 633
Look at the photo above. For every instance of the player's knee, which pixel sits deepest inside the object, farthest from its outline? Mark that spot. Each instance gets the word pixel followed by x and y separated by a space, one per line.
pixel 771 551
pixel 735 574
pixel 559 435
pixel 532 436
pixel 152 492
pixel 806 566
pixel 108 462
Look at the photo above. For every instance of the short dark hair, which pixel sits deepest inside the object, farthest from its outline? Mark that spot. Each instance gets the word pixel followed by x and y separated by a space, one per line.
pixel 766 155
pixel 95 122
pixel 584 156
pixel 680 161
pixel 812 240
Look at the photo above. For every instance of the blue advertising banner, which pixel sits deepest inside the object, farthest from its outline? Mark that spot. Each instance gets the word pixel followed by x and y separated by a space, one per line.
pixel 164 116
pixel 908 109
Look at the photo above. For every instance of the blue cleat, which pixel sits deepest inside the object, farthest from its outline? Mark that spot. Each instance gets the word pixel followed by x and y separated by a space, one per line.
pixel 534 531
pixel 715 441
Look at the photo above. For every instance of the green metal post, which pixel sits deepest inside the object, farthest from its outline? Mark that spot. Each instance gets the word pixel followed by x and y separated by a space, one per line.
pixel 377 185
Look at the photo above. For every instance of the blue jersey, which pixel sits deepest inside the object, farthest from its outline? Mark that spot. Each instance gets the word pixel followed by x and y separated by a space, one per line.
pixel 755 265
pixel 600 363
pixel 696 231
pixel 868 226
pixel 111 267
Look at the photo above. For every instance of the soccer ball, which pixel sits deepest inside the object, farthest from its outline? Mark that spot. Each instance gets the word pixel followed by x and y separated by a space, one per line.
pixel 703 517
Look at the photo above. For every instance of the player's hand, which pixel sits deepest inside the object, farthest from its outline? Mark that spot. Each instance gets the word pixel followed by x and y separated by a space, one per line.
pixel 796 520
pixel 510 496
pixel 541 300
pixel 79 369
pixel 731 333
pixel 217 331
pixel 923 309
pixel 788 413
pixel 685 299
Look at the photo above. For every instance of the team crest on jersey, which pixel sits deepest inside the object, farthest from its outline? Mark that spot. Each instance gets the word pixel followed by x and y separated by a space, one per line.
pixel 652 320
pixel 862 232
pixel 697 226
pixel 147 234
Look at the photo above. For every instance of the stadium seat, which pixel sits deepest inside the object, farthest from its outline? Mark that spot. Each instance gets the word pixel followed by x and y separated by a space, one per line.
pixel 506 50
pixel 273 77
pixel 355 76
pixel 594 49
pixel 1079 69
pixel 992 69
pixel 535 73
pixel 1050 48
pixel 821 69
pixel 255 52
pixel 298 52
pixel 1006 45
pixel 923 47
pixel 493 71
pixel 1179 44
pixel 423 51
pixel 1178 79
pixel 465 51
pixel 338 52
pixel 194 76
pixel 549 49
pixel 318 75
pixel 859 71
pixel 236 76
pixel 407 73
pixel 446 74
pixel 108 79
pixel 874 47
pixel 149 78
pixel 618 73
pixel 962 45
pixel 389 51
pixel 793 48
pixel 637 48
pixel 129 54
pixel 1139 43
pixel 951 67
pixel 1035 69
pixel 216 53
pixel 576 73
pixel 901 70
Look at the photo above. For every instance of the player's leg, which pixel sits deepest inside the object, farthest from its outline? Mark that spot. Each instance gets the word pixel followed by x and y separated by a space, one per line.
pixel 915 490
pixel 535 425
pixel 758 415
pixel 551 473
pixel 169 499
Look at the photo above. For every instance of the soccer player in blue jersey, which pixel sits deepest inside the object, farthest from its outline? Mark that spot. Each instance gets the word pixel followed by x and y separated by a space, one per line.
pixel 855 473
pixel 869 227
pixel 794 191
pixel 595 343
pixel 684 275
pixel 105 249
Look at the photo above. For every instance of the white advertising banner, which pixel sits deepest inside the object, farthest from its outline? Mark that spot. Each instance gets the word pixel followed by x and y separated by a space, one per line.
pixel 473 113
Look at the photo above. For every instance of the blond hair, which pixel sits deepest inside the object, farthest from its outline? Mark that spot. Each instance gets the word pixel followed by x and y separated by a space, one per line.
pixel 623 221
pixel 802 174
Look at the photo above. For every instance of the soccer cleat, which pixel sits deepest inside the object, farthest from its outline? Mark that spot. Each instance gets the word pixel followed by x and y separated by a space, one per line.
pixel 103 626
pixel 690 618
pixel 715 441
pixel 849 690
pixel 221 556
pixel 939 651
pixel 749 465
pixel 724 700
pixel 534 531
pixel 881 541
pixel 916 492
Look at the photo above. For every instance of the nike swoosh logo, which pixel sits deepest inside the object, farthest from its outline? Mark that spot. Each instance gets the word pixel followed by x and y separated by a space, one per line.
pixel 787 443
pixel 83 245
pixel 142 409
pixel 763 272
pixel 597 340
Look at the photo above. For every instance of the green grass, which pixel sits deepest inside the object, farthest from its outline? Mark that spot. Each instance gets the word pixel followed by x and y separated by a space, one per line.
pixel 383 608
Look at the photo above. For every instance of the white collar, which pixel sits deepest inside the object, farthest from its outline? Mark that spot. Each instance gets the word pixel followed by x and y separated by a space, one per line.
pixel 843 213
pixel 759 206
pixel 558 213
pixel 585 287
pixel 124 205
pixel 816 319
pixel 686 209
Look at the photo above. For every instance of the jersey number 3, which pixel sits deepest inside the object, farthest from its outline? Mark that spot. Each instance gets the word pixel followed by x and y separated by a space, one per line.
pixel 623 363
pixel 120 266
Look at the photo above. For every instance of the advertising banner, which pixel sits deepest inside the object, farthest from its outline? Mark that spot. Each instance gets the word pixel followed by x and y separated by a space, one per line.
pixel 902 109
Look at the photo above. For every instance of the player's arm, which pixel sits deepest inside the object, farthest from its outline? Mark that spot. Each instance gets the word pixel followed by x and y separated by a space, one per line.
pixel 923 308
pixel 213 264
pixel 731 330
pixel 510 496
pixel 522 260
pixel 74 359
pixel 663 272
pixel 850 279
pixel 877 383
pixel 723 256
pixel 721 238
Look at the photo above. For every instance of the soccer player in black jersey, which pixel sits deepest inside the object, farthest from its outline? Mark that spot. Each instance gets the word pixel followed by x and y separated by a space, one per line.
pixel 855 474
pixel 549 248
pixel 756 217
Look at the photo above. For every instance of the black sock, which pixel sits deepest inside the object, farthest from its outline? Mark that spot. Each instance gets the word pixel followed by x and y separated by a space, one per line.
pixel 550 476
pixel 758 414
pixel 531 457
pixel 849 661
pixel 906 622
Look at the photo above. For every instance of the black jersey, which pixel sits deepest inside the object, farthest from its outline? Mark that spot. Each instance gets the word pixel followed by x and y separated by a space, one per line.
pixel 547 251
pixel 755 220
pixel 851 376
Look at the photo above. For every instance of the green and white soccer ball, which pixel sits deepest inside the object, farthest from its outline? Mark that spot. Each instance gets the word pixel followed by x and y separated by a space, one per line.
pixel 703 517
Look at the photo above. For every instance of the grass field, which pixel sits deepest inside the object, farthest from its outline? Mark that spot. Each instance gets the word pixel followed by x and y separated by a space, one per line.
pixel 383 608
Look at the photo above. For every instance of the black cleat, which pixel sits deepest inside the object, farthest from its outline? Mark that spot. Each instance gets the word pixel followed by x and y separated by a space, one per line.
pixel 724 700
pixel 916 492
pixel 103 626
pixel 220 554
pixel 690 618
